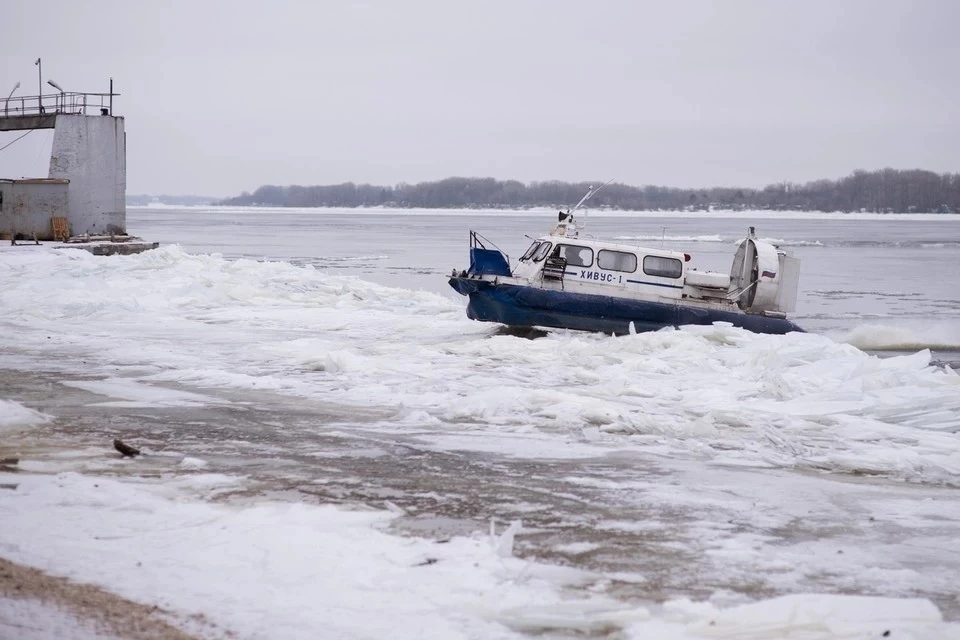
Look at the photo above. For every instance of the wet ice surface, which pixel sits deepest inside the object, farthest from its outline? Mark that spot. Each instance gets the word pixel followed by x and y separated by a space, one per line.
pixel 650 522
pixel 705 462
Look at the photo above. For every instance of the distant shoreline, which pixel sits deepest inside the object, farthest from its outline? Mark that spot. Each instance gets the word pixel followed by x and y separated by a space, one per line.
pixel 548 211
pixel 881 191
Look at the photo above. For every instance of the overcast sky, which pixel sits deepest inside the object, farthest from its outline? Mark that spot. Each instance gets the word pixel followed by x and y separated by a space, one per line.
pixel 221 97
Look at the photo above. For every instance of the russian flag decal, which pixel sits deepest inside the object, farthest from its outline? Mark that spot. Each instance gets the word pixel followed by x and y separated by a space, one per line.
pixel 768 274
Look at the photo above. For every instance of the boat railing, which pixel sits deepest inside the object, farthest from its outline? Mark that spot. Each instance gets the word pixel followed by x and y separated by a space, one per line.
pixel 477 241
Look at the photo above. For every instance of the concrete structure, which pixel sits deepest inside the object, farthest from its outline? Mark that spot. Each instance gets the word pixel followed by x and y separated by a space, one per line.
pixel 91 152
pixel 26 207
pixel 16 122
pixel 87 180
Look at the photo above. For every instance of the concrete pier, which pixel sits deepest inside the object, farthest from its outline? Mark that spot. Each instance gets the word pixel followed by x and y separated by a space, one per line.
pixel 84 193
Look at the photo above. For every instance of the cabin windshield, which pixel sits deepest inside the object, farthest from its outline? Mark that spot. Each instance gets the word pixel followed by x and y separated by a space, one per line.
pixel 533 249
pixel 542 251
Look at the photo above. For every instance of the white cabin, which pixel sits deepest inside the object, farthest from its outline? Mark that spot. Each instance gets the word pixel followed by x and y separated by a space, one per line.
pixel 763 279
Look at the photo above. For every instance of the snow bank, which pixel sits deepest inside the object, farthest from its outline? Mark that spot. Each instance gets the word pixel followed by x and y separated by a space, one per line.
pixel 166 318
pixel 806 616
pixel 874 337
pixel 14 415
pixel 276 570
pixel 27 619
pixel 282 570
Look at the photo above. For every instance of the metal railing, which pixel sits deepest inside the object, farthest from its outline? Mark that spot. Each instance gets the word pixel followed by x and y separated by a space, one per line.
pixel 63 102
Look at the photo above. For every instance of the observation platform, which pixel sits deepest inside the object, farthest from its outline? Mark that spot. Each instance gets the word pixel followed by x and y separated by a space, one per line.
pixel 24 113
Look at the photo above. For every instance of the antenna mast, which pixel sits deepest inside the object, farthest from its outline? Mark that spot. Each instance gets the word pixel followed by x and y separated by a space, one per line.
pixel 586 197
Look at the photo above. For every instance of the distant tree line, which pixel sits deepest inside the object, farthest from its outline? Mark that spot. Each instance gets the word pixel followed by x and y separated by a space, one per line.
pixel 886 190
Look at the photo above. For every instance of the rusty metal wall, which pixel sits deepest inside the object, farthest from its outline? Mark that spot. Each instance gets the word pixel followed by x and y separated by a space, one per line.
pixel 27 207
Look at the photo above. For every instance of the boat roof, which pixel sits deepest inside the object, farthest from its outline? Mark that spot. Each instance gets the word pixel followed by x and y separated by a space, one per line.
pixel 594 243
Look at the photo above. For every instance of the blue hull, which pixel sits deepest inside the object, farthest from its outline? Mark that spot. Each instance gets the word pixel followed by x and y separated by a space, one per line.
pixel 533 307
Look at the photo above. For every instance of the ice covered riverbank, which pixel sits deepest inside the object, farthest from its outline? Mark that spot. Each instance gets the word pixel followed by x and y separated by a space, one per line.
pixel 281 570
pixel 381 429
pixel 251 539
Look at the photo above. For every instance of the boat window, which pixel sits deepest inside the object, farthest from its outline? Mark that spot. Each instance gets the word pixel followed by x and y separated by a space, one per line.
pixel 533 249
pixel 576 256
pixel 616 260
pixel 542 252
pixel 662 267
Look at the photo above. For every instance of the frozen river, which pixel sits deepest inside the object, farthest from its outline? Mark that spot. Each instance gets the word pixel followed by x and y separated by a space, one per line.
pixel 277 358
pixel 881 282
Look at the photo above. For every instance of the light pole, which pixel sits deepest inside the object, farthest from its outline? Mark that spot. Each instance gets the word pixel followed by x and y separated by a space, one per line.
pixel 39 84
pixel 63 101
pixel 6 104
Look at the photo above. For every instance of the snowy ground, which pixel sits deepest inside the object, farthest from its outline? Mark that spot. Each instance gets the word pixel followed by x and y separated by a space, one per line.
pixel 284 570
pixel 327 454
pixel 32 619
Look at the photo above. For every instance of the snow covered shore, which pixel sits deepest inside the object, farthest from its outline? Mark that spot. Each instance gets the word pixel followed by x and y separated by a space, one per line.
pixel 281 570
